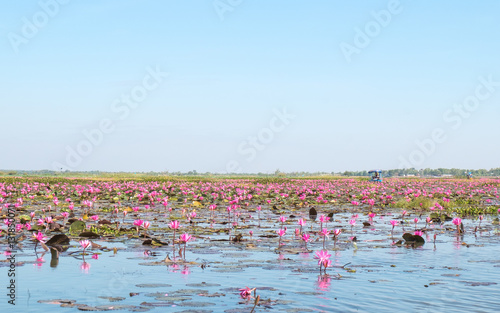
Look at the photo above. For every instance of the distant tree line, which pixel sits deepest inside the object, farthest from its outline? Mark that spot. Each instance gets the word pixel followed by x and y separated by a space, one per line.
pixel 439 172
pixel 456 172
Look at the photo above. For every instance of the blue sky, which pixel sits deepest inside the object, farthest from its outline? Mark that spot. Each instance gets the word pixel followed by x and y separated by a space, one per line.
pixel 231 66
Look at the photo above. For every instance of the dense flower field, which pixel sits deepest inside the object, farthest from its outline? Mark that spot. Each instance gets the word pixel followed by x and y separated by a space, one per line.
pixel 284 216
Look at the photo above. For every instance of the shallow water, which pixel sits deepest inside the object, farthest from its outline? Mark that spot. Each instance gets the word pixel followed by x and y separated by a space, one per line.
pixel 371 275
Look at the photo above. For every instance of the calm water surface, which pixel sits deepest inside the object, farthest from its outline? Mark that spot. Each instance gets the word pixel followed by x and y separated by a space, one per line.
pixel 456 274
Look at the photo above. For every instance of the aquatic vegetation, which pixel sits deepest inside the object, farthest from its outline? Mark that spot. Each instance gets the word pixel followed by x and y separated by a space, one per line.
pixel 249 216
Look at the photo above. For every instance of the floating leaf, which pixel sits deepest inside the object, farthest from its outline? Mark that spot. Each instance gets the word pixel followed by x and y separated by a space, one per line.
pixel 152 285
pixel 112 299
pixel 77 227
pixel 203 284
pixel 89 234
pixel 57 301
pixel 196 304
pixel 58 240
pixel 313 214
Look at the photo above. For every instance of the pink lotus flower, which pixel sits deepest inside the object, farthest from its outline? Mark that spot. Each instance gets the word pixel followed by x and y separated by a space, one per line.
pixel 246 292
pixel 184 238
pixel 301 222
pixel 322 256
pixel 146 225
pixel 174 225
pixel 95 217
pixel 418 233
pixel 84 244
pixel 393 223
pixel 39 237
pixel 138 223
pixel 281 232
pixel 95 256
pixel 457 221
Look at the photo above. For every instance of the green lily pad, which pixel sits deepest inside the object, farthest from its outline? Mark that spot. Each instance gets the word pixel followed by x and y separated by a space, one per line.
pixel 77 227
pixel 196 304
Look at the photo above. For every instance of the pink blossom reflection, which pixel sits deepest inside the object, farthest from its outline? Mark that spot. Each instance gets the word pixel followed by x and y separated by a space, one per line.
pixel 185 271
pixel 324 282
pixel 85 267
pixel 174 268
pixel 39 262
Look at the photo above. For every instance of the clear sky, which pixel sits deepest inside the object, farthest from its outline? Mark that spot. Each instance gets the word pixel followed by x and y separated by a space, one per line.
pixel 249 85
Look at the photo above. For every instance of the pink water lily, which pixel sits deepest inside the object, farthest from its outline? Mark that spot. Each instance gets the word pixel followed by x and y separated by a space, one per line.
pixel 39 237
pixel 84 244
pixel 174 225
pixel 305 238
pixel 393 223
pixel 246 292
pixel 458 222
pixel 281 233
pixel 185 238
pixel 323 258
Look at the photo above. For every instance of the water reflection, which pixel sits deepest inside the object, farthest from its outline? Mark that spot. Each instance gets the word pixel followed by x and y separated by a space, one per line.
pixel 85 267
pixel 185 270
pixel 39 262
pixel 323 283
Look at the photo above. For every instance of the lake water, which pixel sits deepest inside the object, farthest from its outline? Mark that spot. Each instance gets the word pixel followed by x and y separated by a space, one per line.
pixel 456 274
